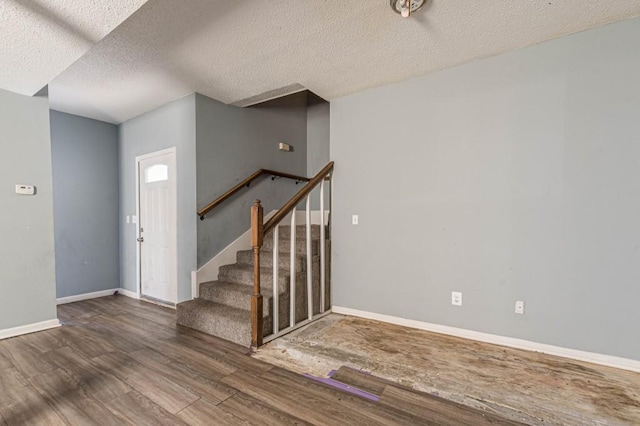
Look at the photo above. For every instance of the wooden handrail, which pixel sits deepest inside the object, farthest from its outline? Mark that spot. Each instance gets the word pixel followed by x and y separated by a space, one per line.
pixel 296 199
pixel 258 231
pixel 246 182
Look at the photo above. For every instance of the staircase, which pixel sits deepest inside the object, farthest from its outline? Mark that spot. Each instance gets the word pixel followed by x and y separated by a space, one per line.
pixel 224 306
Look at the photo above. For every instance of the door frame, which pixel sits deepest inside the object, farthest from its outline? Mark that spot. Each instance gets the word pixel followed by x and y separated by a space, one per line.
pixel 138 159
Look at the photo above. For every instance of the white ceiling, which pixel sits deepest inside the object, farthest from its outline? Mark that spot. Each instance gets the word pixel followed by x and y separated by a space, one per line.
pixel 234 50
pixel 41 38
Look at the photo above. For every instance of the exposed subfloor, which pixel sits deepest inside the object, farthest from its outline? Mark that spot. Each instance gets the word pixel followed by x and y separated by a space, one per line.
pixel 521 385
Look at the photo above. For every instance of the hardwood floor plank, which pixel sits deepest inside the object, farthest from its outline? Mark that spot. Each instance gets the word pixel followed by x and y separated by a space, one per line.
pixel 194 359
pixel 44 342
pixel 73 312
pixel 142 325
pixel 252 410
pixel 137 410
pixel 28 360
pixel 213 341
pixel 20 404
pixel 70 400
pixel 159 389
pixel 236 359
pixel 102 386
pixel 98 338
pixel 315 409
pixel 205 413
pixel 377 413
pixel 433 407
pixel 5 362
pixel 204 385
pixel 28 407
pixel 360 380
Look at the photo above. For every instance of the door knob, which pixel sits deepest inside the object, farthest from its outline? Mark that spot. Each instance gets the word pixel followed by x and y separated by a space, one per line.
pixel 141 240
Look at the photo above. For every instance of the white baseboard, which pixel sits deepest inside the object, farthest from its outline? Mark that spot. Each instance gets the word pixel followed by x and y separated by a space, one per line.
pixel 87 296
pixel 595 358
pixel 128 293
pixel 29 328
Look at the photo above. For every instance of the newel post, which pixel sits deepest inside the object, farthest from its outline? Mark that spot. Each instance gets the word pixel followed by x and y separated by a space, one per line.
pixel 257 237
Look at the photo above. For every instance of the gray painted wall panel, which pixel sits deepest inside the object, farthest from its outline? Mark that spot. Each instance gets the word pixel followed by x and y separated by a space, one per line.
pixel 512 178
pixel 318 136
pixel 85 204
pixel 27 257
pixel 172 125
pixel 234 142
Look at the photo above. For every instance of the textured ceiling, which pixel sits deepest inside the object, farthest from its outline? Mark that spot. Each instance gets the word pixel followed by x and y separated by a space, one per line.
pixel 41 38
pixel 236 50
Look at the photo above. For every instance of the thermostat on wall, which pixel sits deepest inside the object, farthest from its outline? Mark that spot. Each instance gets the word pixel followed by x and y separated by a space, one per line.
pixel 25 189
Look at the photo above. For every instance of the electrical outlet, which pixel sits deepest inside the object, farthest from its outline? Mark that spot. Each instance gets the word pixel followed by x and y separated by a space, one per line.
pixel 354 219
pixel 520 307
pixel 456 298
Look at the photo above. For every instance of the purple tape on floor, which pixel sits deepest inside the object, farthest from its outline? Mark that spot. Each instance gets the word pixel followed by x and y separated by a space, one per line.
pixel 338 385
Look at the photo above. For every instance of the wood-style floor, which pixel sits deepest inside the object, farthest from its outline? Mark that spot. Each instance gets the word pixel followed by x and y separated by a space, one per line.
pixel 120 361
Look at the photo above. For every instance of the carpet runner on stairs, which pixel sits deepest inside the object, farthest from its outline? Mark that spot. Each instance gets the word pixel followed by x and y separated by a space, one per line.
pixel 223 307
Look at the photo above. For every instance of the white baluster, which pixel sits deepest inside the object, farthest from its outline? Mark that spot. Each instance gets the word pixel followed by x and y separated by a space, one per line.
pixel 309 261
pixel 322 254
pixel 292 291
pixel 276 293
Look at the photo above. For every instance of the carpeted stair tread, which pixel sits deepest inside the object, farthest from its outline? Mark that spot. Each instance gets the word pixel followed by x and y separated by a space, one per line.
pixel 243 274
pixel 223 306
pixel 245 257
pixel 235 294
pixel 217 319
pixel 285 231
pixel 284 245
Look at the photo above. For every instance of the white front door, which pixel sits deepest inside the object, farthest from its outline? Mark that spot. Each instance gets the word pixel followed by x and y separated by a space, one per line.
pixel 157 226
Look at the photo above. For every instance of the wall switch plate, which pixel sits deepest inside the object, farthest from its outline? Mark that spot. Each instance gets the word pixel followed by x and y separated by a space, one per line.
pixel 354 219
pixel 25 189
pixel 520 307
pixel 128 219
pixel 134 219
pixel 456 298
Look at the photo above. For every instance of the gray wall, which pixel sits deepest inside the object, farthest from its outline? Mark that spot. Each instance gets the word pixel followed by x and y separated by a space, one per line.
pixel 84 154
pixel 512 178
pixel 318 134
pixel 172 125
pixel 234 142
pixel 27 262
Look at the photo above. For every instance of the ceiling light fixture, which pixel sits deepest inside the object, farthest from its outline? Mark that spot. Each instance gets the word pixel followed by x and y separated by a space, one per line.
pixel 406 7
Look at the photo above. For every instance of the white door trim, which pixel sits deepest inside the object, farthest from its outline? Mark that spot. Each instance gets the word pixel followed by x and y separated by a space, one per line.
pixel 138 159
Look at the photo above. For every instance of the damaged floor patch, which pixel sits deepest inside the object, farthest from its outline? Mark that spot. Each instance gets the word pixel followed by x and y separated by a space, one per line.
pixel 516 384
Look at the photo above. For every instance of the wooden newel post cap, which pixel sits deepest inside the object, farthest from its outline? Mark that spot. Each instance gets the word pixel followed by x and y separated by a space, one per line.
pixel 256 202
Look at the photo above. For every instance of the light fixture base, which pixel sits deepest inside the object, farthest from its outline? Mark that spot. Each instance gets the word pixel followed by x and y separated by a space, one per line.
pixel 400 6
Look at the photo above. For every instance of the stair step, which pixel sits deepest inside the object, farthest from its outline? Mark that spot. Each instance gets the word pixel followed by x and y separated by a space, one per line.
pixel 217 319
pixel 284 231
pixel 245 257
pixel 243 274
pixel 235 294
pixel 284 245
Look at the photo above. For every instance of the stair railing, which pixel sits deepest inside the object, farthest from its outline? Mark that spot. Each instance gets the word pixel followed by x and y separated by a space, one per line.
pixel 247 182
pixel 258 231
